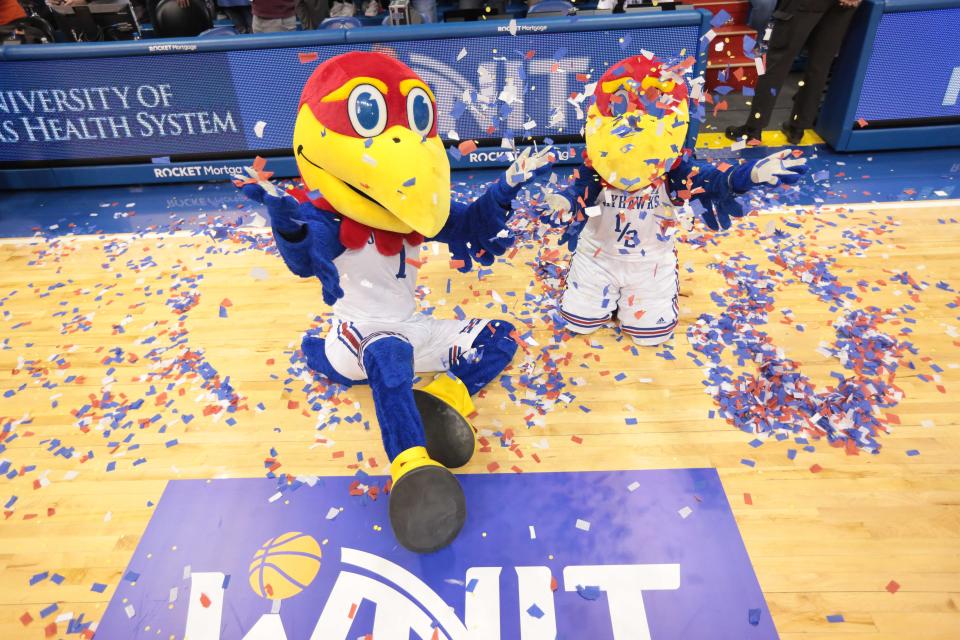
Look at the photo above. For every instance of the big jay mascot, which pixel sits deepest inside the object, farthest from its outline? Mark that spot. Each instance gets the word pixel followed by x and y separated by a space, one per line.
pixel 620 214
pixel 366 139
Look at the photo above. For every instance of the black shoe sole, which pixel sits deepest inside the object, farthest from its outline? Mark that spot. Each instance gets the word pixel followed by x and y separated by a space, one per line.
pixel 427 509
pixel 450 438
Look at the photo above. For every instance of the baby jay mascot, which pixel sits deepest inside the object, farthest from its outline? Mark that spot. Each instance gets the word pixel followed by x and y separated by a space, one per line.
pixel 366 139
pixel 619 217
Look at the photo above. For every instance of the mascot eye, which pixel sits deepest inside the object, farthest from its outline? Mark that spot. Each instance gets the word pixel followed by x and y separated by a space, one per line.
pixel 420 111
pixel 620 102
pixel 367 110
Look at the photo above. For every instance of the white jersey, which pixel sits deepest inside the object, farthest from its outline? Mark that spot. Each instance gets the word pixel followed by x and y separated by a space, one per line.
pixel 377 287
pixel 630 226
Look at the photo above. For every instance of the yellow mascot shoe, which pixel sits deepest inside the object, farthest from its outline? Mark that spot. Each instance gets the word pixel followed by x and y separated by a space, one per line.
pixel 427 505
pixel 444 405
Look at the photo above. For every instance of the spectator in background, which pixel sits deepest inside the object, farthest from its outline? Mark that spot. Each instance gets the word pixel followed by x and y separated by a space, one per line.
pixel 270 16
pixel 239 13
pixel 312 12
pixel 11 10
pixel 760 13
pixel 821 25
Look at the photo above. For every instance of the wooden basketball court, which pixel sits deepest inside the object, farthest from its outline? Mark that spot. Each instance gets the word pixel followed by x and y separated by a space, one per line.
pixel 109 344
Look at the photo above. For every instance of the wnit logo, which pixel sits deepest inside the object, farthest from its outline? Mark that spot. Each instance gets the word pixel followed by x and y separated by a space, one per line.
pixel 286 565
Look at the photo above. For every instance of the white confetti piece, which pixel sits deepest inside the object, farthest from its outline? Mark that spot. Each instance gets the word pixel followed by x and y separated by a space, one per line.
pixel 633 486
pixel 108 516
pixel 533 533
pixel 685 512
pixel 186 572
pixel 130 610
pixel 258 128
pixel 512 27
pixel 927 424
pixel 173 595
pixel 462 54
pixel 332 513
pixel 583 525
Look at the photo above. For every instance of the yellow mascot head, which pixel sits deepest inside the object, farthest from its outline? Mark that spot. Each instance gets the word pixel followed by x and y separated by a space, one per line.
pixel 366 138
pixel 636 127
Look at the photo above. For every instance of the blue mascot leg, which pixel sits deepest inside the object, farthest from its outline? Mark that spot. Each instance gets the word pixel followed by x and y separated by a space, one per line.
pixel 427 506
pixel 492 350
pixel 389 365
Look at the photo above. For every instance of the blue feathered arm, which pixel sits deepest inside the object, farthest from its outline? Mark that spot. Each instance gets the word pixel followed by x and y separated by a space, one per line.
pixel 719 188
pixel 581 193
pixel 308 238
pixel 477 231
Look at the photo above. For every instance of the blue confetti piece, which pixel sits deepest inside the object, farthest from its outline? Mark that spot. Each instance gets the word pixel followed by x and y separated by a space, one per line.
pixel 472 585
pixel 753 616
pixel 588 593
pixel 46 611
pixel 756 443
pixel 131 576
pixel 34 579
pixel 837 617
pixel 913 452
pixel 748 462
pixel 172 443
pixel 535 611
pixel 11 501
pixel 57 578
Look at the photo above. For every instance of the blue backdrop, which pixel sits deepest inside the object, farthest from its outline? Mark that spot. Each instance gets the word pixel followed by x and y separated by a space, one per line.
pixel 150 103
pixel 904 80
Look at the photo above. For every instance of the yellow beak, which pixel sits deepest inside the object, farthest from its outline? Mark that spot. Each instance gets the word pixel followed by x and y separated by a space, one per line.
pixel 396 181
pixel 630 152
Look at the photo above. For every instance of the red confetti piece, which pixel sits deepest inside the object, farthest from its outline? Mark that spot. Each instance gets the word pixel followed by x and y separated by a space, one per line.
pixel 26 619
pixel 307 57
pixel 457 264
pixel 50 630
pixel 747 498
pixel 862 122
pixel 816 469
pixel 493 466
pixel 226 303
pixel 204 600
pixel 893 418
pixel 893 586
pixel 577 439
pixel 353 611
pixel 467 146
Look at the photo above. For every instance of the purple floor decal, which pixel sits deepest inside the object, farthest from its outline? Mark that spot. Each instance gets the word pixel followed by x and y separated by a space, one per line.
pixel 626 555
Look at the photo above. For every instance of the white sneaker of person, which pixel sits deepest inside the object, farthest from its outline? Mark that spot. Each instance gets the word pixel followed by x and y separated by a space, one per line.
pixel 606 5
pixel 371 8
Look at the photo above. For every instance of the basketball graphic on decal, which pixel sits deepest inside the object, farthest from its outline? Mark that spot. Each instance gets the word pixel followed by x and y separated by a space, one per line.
pixel 285 565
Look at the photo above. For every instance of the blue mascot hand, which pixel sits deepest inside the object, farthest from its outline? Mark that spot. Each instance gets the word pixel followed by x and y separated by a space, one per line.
pixel 280 207
pixel 526 167
pixel 571 234
pixel 717 213
pixel 486 239
pixel 326 272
